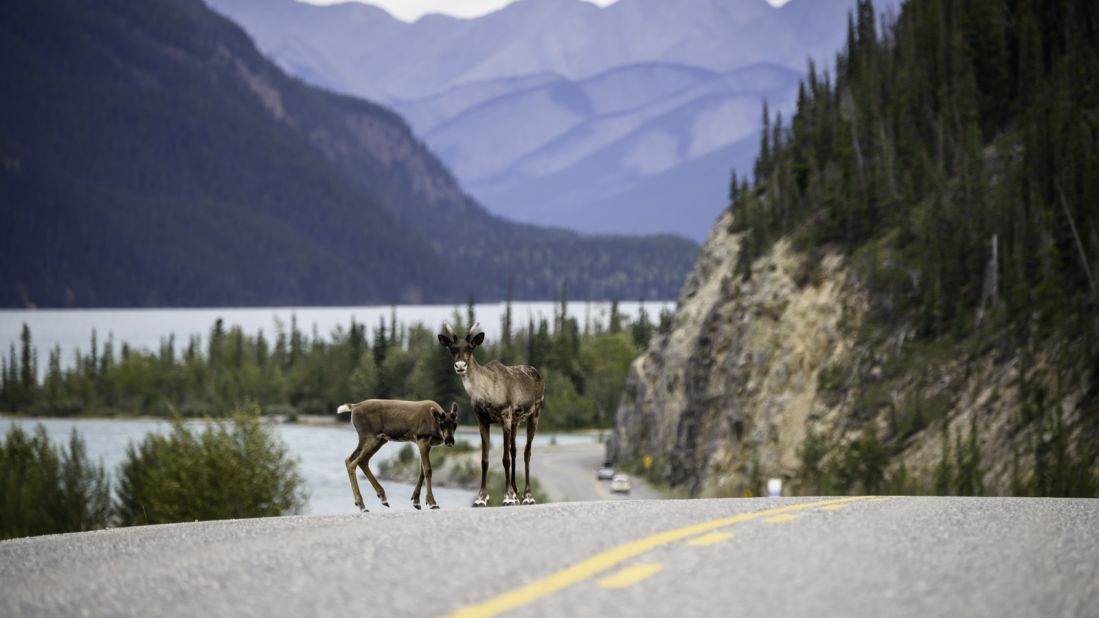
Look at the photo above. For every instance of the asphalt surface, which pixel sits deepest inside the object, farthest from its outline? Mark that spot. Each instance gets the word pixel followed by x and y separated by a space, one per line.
pixel 567 474
pixel 736 557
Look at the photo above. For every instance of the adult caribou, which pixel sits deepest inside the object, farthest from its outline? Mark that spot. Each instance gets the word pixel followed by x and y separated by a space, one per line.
pixel 498 394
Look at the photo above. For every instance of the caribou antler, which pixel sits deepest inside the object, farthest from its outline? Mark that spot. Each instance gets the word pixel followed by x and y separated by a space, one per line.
pixel 473 330
pixel 450 330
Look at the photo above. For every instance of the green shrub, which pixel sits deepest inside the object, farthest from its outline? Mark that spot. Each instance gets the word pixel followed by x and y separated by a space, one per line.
pixel 407 454
pixel 861 464
pixel 462 446
pixel 228 470
pixel 1058 471
pixel 465 473
pixel 565 408
pixel 815 477
pixel 47 490
pixel 440 454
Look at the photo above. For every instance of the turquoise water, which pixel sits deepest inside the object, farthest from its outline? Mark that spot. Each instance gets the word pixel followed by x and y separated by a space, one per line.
pixel 319 448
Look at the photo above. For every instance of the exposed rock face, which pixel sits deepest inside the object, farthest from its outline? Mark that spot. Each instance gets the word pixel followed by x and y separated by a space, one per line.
pixel 727 396
pixel 737 373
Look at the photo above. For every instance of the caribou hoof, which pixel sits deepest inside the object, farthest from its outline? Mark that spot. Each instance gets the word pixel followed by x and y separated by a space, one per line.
pixel 481 501
pixel 510 501
pixel 434 507
pixel 416 505
pixel 385 503
pixel 362 509
pixel 529 500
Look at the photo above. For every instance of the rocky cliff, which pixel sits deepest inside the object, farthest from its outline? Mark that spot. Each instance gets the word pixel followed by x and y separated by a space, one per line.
pixel 785 373
pixel 903 297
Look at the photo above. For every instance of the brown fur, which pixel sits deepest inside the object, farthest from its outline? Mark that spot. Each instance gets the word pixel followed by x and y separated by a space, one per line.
pixel 499 394
pixel 378 421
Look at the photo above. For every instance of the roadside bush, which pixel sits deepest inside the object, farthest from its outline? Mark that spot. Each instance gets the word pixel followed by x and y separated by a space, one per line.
pixel 48 490
pixel 815 476
pixel 833 468
pixel 861 464
pixel 228 470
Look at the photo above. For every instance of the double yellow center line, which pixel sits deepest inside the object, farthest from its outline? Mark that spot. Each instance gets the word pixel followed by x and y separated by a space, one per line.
pixel 611 558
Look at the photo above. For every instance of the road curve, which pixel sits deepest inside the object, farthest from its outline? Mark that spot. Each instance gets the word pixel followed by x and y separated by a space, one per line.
pixel 567 474
pixel 735 557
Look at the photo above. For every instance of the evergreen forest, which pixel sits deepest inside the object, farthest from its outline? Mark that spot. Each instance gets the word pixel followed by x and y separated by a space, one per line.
pixel 953 157
pixel 290 372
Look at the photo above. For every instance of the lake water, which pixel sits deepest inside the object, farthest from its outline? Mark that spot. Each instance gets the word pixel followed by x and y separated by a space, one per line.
pixel 71 329
pixel 319 448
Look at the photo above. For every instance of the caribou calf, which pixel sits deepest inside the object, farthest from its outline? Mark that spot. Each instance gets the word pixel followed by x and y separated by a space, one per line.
pixel 378 421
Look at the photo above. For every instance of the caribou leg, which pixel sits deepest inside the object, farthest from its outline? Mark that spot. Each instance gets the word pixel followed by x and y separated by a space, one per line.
pixel 532 427
pixel 364 464
pixel 416 492
pixel 509 468
pixel 425 471
pixel 509 498
pixel 514 465
pixel 352 462
pixel 482 496
pixel 365 449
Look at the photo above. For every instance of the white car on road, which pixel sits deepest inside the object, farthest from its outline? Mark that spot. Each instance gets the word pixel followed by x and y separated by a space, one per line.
pixel 605 473
pixel 620 484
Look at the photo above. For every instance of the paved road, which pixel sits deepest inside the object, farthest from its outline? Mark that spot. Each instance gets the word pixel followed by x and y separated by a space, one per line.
pixel 567 473
pixel 748 557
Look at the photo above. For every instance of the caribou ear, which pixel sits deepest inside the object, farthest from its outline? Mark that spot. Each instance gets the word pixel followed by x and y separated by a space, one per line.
pixel 445 341
pixel 454 409
pixel 478 339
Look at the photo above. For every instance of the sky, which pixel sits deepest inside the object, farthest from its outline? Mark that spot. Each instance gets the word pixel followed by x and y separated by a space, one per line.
pixel 410 10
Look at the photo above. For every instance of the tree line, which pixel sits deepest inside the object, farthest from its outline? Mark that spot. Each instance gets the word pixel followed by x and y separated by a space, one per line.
pixel 293 372
pixel 957 146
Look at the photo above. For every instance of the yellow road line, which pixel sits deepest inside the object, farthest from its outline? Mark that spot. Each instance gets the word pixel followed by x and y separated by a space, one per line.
pixel 611 558
pixel 833 507
pixel 710 539
pixel 778 519
pixel 630 575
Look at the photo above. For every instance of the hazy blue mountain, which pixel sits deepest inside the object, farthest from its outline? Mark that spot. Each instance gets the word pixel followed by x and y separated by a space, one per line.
pixel 512 100
pixel 377 56
pixel 647 165
pixel 429 112
pixel 152 156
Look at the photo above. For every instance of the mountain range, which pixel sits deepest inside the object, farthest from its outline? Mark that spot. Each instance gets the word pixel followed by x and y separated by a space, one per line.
pixel 622 119
pixel 150 155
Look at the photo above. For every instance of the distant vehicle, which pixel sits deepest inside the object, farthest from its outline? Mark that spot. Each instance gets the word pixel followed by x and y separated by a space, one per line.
pixel 620 484
pixel 605 473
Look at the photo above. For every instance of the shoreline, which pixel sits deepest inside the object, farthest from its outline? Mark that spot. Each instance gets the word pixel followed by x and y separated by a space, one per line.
pixel 320 420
